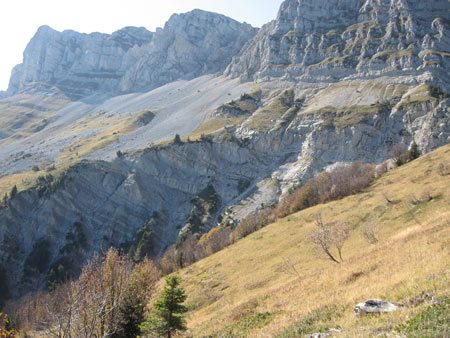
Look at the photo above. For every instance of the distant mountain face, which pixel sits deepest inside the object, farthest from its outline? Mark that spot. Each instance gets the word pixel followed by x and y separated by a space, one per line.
pixel 131 59
pixel 328 40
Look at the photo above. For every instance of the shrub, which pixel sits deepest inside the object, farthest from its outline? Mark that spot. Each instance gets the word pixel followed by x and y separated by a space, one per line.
pixel 39 257
pixel 329 236
pixel 6 331
pixel 370 232
pixel 107 300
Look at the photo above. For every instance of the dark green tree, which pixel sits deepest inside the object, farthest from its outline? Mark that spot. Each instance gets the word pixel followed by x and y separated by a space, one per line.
pixel 414 152
pixel 169 312
pixel 13 192
pixel 131 313
pixel 177 139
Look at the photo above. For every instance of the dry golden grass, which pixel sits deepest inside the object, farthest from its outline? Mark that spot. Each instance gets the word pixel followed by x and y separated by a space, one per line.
pixel 255 275
pixel 211 124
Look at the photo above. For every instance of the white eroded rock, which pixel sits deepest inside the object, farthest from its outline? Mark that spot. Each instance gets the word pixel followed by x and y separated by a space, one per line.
pixel 374 306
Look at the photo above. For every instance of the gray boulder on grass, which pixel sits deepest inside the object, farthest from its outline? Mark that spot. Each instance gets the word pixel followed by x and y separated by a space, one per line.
pixel 374 306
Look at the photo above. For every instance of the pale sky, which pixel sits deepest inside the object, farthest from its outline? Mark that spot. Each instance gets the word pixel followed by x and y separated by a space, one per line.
pixel 19 19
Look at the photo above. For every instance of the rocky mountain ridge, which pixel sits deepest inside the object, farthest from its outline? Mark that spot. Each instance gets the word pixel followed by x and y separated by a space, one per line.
pixel 131 59
pixel 331 40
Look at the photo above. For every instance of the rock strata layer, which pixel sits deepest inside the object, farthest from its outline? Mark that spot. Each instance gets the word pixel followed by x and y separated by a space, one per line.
pixel 330 40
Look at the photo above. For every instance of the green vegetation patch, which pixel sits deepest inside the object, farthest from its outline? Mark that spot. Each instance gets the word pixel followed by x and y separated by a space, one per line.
pixel 143 118
pixel 4 291
pixel 39 257
pixel 346 60
pixel 425 93
pixel 318 321
pixel 205 205
pixel 48 184
pixel 342 118
pixel 263 119
pixel 144 243
pixel 231 113
pixel 246 325
pixel 391 55
pixel 432 322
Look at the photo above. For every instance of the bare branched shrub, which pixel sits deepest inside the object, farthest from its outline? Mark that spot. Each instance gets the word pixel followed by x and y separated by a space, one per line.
pixel 109 291
pixel 216 239
pixel 398 150
pixel 288 267
pixel 329 236
pixel 253 223
pixel 381 169
pixel 371 231
pixel 168 263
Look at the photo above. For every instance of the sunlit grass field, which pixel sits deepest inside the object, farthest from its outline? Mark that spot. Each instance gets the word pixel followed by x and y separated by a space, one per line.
pixel 274 283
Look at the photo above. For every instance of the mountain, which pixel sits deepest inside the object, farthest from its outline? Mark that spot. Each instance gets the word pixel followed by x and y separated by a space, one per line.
pixel 326 84
pixel 331 40
pixel 131 59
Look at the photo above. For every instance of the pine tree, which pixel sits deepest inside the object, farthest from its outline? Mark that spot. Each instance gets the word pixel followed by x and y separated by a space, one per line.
pixel 414 152
pixel 13 192
pixel 169 312
pixel 131 313
pixel 177 139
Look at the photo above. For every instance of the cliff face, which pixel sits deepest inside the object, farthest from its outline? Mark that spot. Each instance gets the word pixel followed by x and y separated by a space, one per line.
pixel 131 59
pixel 190 45
pixel 330 40
pixel 106 203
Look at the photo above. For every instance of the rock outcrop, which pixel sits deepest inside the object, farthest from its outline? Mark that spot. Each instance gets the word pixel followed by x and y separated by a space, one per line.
pixel 315 41
pixel 131 59
pixel 374 306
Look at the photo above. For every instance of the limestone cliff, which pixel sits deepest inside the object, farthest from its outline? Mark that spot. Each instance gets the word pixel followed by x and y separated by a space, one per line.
pixel 130 59
pixel 330 40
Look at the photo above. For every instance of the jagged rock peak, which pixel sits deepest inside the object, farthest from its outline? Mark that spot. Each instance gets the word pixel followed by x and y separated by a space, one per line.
pixel 191 44
pixel 132 58
pixel 327 40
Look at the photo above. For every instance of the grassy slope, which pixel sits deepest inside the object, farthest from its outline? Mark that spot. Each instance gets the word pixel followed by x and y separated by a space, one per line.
pixel 250 288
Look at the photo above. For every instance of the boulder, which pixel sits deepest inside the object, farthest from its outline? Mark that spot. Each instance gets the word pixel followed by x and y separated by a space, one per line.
pixel 374 306
pixel 318 335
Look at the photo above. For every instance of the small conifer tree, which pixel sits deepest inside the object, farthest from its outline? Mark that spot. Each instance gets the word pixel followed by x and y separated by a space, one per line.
pixel 13 192
pixel 177 139
pixel 169 312
pixel 414 151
